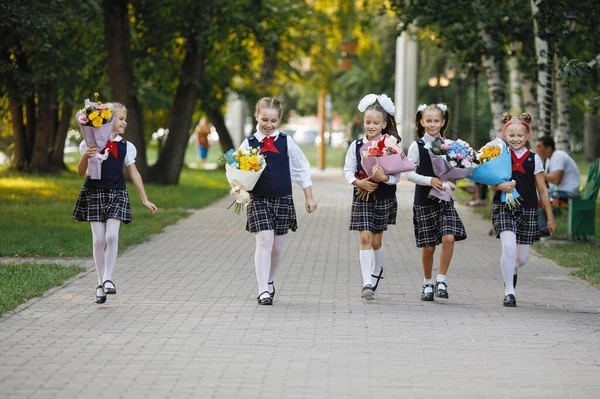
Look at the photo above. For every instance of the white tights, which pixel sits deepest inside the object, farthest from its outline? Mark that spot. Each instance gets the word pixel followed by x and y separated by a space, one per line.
pixel 513 256
pixel 269 251
pixel 105 247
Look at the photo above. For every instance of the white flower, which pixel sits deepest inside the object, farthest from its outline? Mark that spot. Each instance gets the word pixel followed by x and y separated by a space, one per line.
pixel 386 103
pixel 422 107
pixel 443 107
pixel 366 101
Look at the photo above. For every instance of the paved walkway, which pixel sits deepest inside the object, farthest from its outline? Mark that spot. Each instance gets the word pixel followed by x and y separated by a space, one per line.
pixel 185 323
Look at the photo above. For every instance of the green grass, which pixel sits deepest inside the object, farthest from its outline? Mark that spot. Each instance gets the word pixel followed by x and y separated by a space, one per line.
pixel 36 211
pixel 21 282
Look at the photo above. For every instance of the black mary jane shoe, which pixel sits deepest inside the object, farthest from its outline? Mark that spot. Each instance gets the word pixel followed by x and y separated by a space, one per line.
pixel 441 289
pixel 510 301
pixel 380 277
pixel 427 296
pixel 97 298
pixel 264 301
pixel 272 293
pixel 368 292
pixel 110 290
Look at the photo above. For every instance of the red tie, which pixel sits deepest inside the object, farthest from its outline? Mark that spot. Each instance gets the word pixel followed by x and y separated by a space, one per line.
pixel 517 163
pixel 268 145
pixel 111 147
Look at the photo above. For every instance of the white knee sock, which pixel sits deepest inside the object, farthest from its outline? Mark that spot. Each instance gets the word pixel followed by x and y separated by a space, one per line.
pixel 377 264
pixel 366 265
pixel 262 259
pixel 98 245
pixel 276 255
pixel 522 255
pixel 112 248
pixel 507 262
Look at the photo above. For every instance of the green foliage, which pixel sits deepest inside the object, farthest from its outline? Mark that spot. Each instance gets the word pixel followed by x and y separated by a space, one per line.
pixel 21 282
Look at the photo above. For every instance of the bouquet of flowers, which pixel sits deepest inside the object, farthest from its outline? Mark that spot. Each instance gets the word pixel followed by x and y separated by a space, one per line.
pixel 96 122
pixel 387 154
pixel 243 169
pixel 495 167
pixel 451 160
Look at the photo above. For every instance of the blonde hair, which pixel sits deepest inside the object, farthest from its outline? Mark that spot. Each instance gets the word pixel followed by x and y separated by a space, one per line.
pixel 508 119
pixel 269 103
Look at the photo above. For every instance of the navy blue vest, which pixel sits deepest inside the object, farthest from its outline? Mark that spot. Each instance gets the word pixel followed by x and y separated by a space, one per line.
pixel 525 184
pixel 383 190
pixel 112 170
pixel 425 168
pixel 275 180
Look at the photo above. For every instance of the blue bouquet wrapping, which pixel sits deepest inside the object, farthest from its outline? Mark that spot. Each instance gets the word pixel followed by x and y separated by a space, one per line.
pixel 495 171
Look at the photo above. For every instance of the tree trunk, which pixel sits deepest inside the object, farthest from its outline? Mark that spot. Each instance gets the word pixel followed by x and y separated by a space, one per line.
pixel 30 125
pixel 545 74
pixel 168 167
pixel 271 47
pixel 531 105
pixel 474 110
pixel 120 72
pixel 44 135
pixel 562 135
pixel 18 126
pixel 219 123
pixel 493 70
pixel 591 141
pixel 58 152
pixel 515 83
pixel 456 110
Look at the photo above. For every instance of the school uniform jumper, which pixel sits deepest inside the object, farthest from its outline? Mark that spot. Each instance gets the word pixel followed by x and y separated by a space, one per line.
pixel 381 209
pixel 432 218
pixel 523 221
pixel 107 198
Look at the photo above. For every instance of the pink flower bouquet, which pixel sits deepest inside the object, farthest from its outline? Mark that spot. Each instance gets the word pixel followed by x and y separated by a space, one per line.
pixel 96 123
pixel 451 160
pixel 385 153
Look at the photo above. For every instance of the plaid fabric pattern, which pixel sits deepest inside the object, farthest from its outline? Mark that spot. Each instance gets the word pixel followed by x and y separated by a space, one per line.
pixel 271 213
pixel 432 222
pixel 99 205
pixel 373 216
pixel 523 222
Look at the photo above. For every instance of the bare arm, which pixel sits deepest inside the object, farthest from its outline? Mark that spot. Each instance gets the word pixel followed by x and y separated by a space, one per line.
pixel 310 204
pixel 82 165
pixel 540 184
pixel 136 179
pixel 554 177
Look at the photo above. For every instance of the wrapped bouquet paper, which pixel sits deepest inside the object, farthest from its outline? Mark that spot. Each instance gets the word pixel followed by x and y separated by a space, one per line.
pixel 96 123
pixel 385 153
pixel 451 160
pixel 495 167
pixel 243 169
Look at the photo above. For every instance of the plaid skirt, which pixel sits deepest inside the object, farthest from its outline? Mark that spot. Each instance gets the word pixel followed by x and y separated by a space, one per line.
pixel 271 213
pixel 99 205
pixel 373 216
pixel 432 222
pixel 523 222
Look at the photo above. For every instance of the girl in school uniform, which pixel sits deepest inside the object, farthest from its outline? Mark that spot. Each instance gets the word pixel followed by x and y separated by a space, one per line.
pixel 271 211
pixel 370 217
pixel 435 222
pixel 519 228
pixel 105 202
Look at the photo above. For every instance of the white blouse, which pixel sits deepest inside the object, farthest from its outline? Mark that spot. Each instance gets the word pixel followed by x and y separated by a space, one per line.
pixel 351 163
pixel 413 155
pixel 299 165
pixel 129 157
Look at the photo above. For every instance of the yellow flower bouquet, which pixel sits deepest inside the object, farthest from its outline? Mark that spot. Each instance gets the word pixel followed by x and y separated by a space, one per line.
pixel 243 169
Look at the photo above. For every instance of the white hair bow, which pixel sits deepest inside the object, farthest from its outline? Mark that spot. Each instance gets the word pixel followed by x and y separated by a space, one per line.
pixel 383 100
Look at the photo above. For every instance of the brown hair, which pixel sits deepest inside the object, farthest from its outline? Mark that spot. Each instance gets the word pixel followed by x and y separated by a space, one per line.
pixel 390 123
pixel 269 103
pixel 431 107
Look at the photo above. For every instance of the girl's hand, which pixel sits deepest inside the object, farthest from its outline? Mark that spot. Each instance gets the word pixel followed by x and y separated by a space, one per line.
pixel 379 174
pixel 437 183
pixel 551 226
pixel 91 151
pixel 508 186
pixel 310 205
pixel 366 185
pixel 153 208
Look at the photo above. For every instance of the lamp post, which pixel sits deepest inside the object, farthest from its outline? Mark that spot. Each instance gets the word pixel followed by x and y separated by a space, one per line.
pixel 440 82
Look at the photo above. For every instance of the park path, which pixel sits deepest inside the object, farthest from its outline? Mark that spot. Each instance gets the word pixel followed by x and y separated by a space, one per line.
pixel 185 323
